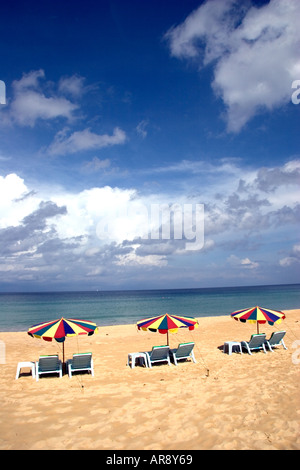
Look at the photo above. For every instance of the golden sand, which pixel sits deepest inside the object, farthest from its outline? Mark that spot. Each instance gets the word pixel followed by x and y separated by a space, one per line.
pixel 221 402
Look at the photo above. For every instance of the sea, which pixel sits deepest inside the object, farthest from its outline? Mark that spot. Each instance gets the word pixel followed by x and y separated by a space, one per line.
pixel 19 311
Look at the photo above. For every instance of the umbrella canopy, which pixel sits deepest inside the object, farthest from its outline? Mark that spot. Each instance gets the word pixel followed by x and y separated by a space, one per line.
pixel 258 315
pixel 62 328
pixel 166 323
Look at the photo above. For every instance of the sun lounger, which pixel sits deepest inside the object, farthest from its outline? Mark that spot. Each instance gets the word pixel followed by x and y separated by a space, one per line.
pixel 158 354
pixel 276 339
pixel 80 362
pixel 48 365
pixel 184 351
pixel 256 342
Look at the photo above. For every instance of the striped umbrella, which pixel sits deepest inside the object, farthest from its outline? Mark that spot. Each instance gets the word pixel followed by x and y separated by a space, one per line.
pixel 165 323
pixel 62 328
pixel 258 315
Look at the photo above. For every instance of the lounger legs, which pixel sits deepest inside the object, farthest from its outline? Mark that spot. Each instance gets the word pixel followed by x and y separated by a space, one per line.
pixel 281 342
pixel 193 357
pixel 245 345
pixel 175 359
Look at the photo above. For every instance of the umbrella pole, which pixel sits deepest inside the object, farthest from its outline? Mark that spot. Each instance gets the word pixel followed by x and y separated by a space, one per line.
pixel 64 365
pixel 168 337
pixel 257 328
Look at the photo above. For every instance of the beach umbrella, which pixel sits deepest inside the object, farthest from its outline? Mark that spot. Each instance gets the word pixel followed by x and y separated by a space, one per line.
pixel 258 315
pixel 62 328
pixel 167 323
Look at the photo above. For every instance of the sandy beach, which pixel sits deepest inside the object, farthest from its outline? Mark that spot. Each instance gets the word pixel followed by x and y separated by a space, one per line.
pixel 221 402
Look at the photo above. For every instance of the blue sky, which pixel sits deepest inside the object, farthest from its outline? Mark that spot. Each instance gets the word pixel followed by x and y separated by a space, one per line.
pixel 114 107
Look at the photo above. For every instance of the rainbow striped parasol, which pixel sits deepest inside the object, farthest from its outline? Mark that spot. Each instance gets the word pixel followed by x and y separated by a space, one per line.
pixel 259 315
pixel 167 323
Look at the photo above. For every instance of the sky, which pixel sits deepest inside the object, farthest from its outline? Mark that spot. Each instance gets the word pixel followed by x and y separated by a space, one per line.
pixel 149 144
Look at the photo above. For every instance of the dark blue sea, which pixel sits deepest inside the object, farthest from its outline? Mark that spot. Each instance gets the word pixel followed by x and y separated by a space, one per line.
pixel 20 311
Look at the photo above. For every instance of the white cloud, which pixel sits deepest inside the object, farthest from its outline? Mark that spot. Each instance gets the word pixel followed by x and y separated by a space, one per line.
pixel 34 99
pixel 141 128
pixel 14 206
pixel 96 164
pixel 296 249
pixel 30 103
pixel 11 187
pixel 293 258
pixel 202 24
pixel 249 264
pixel 28 81
pixel 132 259
pixel 91 207
pixel 30 106
pixel 255 53
pixel 84 140
pixel 244 263
pixel 73 85
pixel 288 261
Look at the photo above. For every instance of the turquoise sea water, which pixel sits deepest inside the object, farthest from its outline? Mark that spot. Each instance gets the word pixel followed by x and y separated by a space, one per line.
pixel 20 311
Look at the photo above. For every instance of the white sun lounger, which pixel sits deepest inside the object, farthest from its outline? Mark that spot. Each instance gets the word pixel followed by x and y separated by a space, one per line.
pixel 276 339
pixel 184 351
pixel 48 365
pixel 81 362
pixel 158 354
pixel 256 342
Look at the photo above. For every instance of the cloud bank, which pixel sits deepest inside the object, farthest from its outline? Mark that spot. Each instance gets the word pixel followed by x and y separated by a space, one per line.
pixel 98 235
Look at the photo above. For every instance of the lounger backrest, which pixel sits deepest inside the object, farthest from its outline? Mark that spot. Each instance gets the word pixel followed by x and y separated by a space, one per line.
pixel 276 337
pixel 48 363
pixel 257 340
pixel 159 352
pixel 184 349
pixel 81 360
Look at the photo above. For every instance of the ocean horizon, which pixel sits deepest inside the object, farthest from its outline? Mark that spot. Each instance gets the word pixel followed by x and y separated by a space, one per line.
pixel 19 311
